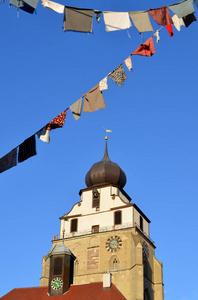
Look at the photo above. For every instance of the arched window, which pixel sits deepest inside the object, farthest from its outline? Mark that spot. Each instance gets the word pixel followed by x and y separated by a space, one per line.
pixel 146 295
pixel 76 264
pixel 115 263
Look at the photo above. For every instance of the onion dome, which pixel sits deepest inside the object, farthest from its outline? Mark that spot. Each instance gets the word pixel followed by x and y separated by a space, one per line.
pixel 105 172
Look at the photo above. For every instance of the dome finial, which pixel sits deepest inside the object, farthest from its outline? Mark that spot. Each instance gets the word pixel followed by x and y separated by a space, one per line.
pixel 106 156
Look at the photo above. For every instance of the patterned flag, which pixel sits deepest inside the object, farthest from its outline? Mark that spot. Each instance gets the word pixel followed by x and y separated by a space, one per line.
pixel 58 121
pixel 103 84
pixel 128 63
pixel 118 75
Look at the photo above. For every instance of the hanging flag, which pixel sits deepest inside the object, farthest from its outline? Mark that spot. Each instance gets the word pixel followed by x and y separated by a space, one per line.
pixel 170 30
pixel 141 21
pixel 103 84
pixel 161 16
pixel 146 49
pixel 97 15
pixel 116 20
pixel 57 122
pixel 78 19
pixel 27 149
pixel 59 8
pixel 8 161
pixel 118 75
pixel 183 8
pixel 178 22
pixel 157 36
pixel 196 3
pixel 26 5
pixel 128 63
pixel 93 100
pixel 44 135
pixel 189 19
pixel 76 109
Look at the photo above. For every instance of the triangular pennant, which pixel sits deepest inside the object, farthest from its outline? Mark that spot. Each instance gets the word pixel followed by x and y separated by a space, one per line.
pixel 118 75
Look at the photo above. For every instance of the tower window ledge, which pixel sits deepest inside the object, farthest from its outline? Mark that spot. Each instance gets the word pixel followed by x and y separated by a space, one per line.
pixel 105 229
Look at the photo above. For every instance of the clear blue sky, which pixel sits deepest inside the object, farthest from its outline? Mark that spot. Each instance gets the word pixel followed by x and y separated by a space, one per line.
pixel 154 123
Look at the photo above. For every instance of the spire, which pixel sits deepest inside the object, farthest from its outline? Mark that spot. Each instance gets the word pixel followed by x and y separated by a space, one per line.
pixel 106 156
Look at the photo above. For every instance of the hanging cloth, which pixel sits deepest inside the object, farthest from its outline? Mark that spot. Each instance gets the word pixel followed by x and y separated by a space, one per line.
pixel 93 100
pixel 157 36
pixel 146 49
pixel 189 19
pixel 128 63
pixel 116 20
pixel 59 8
pixel 97 15
pixel 118 75
pixel 26 5
pixel 182 9
pixel 103 84
pixel 170 29
pixel 76 109
pixel 178 22
pixel 8 161
pixel 27 149
pixel 78 19
pixel 196 3
pixel 44 135
pixel 161 16
pixel 57 122
pixel 141 21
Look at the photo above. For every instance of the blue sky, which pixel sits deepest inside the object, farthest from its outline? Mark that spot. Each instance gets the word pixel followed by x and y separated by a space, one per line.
pixel 154 123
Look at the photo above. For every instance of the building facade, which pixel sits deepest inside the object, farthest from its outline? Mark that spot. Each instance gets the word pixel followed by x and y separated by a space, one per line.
pixel 109 234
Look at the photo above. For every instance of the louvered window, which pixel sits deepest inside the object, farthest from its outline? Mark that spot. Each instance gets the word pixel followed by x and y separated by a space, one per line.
pixel 96 199
pixel 141 223
pixel 74 225
pixel 118 217
pixel 58 262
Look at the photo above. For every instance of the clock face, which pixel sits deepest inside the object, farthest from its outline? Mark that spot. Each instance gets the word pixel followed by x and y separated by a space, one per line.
pixel 56 283
pixel 145 250
pixel 114 243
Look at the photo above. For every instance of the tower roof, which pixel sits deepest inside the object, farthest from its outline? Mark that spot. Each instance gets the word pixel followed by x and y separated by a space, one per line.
pixel 105 172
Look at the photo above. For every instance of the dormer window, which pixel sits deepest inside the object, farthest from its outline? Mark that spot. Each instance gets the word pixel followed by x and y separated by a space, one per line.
pixel 118 217
pixel 96 199
pixel 74 225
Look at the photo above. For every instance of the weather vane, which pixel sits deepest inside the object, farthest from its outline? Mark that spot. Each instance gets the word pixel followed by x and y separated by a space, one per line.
pixel 107 130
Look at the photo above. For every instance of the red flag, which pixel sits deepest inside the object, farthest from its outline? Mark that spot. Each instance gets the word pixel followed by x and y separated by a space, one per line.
pixel 161 15
pixel 146 49
pixel 170 30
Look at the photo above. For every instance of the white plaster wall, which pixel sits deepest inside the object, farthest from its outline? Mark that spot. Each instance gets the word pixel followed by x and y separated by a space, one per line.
pixel 123 197
pixel 137 220
pixel 103 219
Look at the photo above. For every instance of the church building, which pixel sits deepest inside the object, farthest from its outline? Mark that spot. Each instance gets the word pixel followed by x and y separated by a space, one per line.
pixel 104 249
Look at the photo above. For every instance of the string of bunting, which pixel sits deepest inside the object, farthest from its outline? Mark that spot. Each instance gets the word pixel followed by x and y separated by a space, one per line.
pixel 81 19
pixel 93 99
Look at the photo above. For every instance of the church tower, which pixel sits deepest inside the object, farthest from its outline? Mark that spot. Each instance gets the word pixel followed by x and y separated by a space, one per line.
pixel 109 234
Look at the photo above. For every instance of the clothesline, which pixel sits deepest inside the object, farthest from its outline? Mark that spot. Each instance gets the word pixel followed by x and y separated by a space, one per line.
pixel 93 100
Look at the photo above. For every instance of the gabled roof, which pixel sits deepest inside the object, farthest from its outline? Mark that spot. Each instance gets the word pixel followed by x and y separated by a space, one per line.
pixel 92 291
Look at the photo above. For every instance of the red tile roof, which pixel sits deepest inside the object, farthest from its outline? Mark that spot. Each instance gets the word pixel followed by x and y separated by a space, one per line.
pixel 92 291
